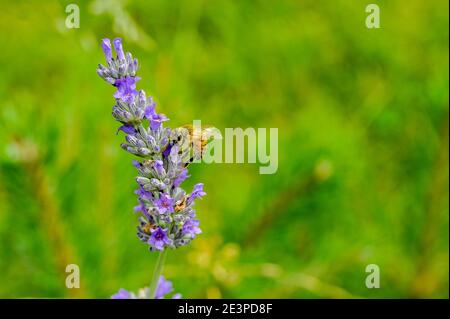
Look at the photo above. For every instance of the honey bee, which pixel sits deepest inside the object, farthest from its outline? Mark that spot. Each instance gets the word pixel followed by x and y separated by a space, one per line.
pixel 180 205
pixel 147 227
pixel 191 141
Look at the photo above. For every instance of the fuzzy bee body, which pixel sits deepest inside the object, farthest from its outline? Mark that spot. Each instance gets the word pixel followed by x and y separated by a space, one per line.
pixel 180 205
pixel 191 141
pixel 147 228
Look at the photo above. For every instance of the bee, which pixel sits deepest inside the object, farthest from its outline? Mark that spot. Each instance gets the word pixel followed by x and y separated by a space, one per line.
pixel 191 141
pixel 180 205
pixel 147 228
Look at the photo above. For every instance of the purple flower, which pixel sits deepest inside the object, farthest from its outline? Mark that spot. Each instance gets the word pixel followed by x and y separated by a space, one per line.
pixel 196 193
pixel 159 167
pixel 180 178
pixel 164 203
pixel 141 208
pixel 118 46
pixel 190 228
pixel 154 118
pixel 159 239
pixel 136 164
pixel 164 287
pixel 143 194
pixel 106 45
pixel 122 294
pixel 166 152
pixel 126 89
pixel 127 129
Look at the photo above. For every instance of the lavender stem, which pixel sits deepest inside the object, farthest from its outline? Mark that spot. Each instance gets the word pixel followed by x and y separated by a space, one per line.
pixel 157 273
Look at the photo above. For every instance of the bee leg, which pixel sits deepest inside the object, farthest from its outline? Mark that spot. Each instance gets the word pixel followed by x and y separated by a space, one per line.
pixel 189 162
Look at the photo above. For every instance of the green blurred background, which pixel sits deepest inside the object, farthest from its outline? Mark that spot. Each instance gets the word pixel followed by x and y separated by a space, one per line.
pixel 363 147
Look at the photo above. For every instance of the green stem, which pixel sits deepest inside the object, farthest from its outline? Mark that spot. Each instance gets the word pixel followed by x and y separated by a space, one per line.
pixel 157 273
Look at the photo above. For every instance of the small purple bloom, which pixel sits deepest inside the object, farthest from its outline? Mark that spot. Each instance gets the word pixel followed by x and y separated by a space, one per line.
pixel 159 167
pixel 159 239
pixel 167 151
pixel 164 287
pixel 127 129
pixel 164 203
pixel 143 194
pixel 118 46
pixel 180 178
pixel 141 208
pixel 154 118
pixel 136 164
pixel 106 45
pixel 126 89
pixel 191 228
pixel 122 294
pixel 196 193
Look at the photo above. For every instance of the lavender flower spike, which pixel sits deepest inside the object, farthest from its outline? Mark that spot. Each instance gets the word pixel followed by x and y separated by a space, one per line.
pixel 167 217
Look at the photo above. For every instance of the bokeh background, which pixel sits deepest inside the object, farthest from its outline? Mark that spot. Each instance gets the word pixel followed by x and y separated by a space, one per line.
pixel 363 147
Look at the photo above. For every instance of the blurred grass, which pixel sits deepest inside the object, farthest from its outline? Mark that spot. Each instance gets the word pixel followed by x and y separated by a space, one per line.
pixel 363 147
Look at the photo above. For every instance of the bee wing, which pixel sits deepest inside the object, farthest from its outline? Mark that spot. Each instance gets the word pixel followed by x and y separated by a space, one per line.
pixel 208 134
